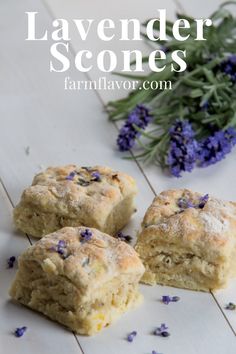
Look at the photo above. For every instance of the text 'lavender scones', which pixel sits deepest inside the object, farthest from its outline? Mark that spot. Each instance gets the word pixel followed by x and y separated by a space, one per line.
pixel 80 277
pixel 76 196
pixel 188 240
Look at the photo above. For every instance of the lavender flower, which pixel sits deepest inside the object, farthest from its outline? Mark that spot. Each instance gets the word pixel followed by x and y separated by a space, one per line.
pixel 19 332
pixel 123 237
pixel 131 336
pixel 230 306
pixel 183 148
pixel 162 331
pixel 61 247
pixel 214 148
pixel 11 261
pixel 203 200
pixel 140 117
pixel 71 176
pixel 183 203
pixel 228 66
pixel 96 176
pixel 86 235
pixel 167 299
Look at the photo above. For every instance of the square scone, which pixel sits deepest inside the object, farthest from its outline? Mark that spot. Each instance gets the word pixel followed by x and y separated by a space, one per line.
pixel 79 277
pixel 188 240
pixel 96 197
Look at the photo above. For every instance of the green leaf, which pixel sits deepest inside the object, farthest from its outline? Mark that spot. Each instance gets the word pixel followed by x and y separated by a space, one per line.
pixel 202 82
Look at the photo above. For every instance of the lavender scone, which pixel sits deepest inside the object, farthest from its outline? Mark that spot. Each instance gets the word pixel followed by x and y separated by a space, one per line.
pixel 79 277
pixel 188 240
pixel 76 196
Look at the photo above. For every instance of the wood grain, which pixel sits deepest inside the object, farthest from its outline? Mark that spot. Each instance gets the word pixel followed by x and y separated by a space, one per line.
pixel 42 125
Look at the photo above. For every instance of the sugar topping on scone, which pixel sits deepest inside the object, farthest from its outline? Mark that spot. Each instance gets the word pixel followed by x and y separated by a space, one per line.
pixel 184 230
pixel 72 196
pixel 79 277
pixel 191 215
pixel 86 256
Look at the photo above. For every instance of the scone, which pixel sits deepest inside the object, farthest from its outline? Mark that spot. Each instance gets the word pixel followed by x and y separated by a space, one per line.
pixel 188 240
pixel 79 277
pixel 76 196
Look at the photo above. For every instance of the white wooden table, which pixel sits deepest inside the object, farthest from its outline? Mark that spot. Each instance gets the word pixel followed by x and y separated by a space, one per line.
pixel 60 127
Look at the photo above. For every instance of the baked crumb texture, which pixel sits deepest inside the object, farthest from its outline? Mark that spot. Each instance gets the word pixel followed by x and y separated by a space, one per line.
pixel 87 287
pixel 189 248
pixel 76 196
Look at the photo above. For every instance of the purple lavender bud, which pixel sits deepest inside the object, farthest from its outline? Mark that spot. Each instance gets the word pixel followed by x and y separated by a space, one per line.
pixel 163 327
pixel 96 176
pixel 19 332
pixel 228 66
pixel 71 176
pixel 203 201
pixel 230 306
pixel 86 235
pixel 166 299
pixel 131 336
pixel 215 147
pixel 122 237
pixel 128 134
pixel 161 331
pixel 183 203
pixel 61 243
pixel 183 150
pixel 11 261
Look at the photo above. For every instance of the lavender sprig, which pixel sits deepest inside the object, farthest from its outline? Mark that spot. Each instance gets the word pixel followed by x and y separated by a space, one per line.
pixel 128 134
pixel 215 147
pixel 183 149
pixel 204 96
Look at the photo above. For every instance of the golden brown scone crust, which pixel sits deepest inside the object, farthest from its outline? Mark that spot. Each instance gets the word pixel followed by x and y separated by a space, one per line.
pixel 203 235
pixel 54 201
pixel 104 257
pixel 86 286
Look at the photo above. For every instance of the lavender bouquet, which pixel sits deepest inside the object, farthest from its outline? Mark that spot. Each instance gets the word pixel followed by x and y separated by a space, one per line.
pixel 194 124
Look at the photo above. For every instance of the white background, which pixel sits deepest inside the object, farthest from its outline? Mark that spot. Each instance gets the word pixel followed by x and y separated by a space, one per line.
pixel 62 127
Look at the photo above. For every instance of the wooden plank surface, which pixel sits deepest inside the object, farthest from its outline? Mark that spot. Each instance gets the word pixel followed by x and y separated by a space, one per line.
pixel 42 335
pixel 44 125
